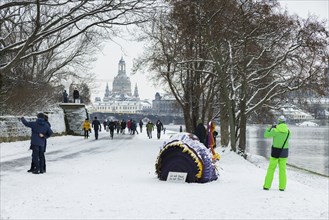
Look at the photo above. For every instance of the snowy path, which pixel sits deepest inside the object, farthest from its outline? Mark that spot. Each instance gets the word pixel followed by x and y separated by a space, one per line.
pixel 115 179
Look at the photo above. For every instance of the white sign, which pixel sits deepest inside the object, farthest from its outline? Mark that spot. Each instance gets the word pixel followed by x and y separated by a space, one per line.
pixel 176 177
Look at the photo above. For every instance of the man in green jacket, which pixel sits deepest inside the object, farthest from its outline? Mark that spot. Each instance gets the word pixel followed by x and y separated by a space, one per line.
pixel 279 153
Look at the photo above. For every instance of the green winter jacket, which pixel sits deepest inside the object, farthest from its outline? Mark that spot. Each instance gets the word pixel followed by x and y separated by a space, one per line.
pixel 279 135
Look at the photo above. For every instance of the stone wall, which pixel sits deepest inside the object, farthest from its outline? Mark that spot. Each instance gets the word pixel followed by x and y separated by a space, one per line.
pixel 12 129
pixel 75 114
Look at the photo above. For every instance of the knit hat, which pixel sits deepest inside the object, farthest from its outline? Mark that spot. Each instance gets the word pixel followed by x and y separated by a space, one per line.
pixel 40 115
pixel 282 119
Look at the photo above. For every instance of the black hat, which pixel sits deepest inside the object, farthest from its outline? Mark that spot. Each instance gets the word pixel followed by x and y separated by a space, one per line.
pixel 40 115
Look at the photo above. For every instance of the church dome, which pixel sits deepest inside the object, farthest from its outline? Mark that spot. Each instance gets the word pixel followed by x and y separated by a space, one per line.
pixel 121 83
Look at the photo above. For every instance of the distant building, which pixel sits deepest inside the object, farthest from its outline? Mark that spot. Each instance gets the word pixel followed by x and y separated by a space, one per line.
pixel 121 83
pixel 120 99
pixel 295 114
pixel 125 106
pixel 166 105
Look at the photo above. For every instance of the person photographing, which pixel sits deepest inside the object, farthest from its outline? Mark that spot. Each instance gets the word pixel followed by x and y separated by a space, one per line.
pixel 279 153
pixel 40 132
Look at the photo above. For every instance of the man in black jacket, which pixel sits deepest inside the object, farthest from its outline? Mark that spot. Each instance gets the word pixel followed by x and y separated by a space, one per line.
pixel 159 126
pixel 97 127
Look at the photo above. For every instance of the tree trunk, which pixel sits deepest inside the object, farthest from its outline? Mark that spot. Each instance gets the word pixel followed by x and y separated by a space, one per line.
pixel 243 129
pixel 232 122
pixel 243 116
pixel 224 126
pixel 188 120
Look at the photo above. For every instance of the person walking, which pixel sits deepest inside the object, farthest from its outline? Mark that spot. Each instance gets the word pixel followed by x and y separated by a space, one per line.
pixel 123 126
pixel 149 129
pixel 105 125
pixel 40 132
pixel 279 153
pixel 129 126
pixel 140 125
pixel 133 127
pixel 111 127
pixel 118 126
pixel 86 127
pixel 97 127
pixel 159 126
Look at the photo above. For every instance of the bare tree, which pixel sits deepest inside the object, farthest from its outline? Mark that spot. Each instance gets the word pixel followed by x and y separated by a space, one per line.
pixel 261 56
pixel 45 41
pixel 178 57
pixel 43 21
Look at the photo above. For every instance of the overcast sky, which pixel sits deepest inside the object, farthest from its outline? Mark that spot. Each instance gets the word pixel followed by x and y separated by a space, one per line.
pixel 106 67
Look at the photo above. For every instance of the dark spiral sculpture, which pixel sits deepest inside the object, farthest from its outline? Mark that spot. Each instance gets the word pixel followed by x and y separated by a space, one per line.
pixel 183 152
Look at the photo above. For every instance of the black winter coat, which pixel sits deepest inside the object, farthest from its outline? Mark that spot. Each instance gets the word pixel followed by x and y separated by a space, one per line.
pixel 201 133
pixel 40 126
pixel 76 94
pixel 96 125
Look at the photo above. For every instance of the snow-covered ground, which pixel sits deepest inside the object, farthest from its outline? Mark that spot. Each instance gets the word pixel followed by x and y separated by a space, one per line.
pixel 115 179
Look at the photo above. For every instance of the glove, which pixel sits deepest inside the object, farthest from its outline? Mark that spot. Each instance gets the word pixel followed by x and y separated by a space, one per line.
pixel 273 126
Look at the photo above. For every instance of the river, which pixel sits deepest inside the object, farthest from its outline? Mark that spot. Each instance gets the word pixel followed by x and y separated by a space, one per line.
pixel 308 146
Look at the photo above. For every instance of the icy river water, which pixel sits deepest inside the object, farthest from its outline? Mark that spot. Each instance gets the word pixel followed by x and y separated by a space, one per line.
pixel 308 146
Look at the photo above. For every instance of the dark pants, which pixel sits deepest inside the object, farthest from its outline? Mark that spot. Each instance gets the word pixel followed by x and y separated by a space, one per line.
pixel 112 132
pixel 86 133
pixel 96 134
pixel 38 157
pixel 158 133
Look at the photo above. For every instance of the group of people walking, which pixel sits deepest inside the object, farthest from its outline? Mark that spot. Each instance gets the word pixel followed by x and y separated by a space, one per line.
pixel 150 128
pixel 86 127
pixel 120 127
